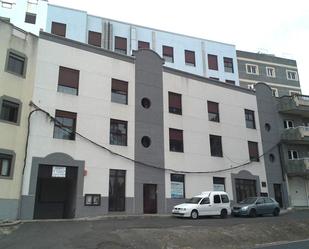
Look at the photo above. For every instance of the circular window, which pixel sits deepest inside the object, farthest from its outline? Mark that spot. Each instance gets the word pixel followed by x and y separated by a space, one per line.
pixel 146 141
pixel 272 157
pixel 267 127
pixel 146 103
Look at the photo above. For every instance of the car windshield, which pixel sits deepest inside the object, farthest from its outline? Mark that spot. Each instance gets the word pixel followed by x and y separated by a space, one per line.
pixel 194 200
pixel 248 200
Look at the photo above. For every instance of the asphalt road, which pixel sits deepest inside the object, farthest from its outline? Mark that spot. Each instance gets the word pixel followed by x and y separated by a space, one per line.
pixel 303 244
pixel 158 232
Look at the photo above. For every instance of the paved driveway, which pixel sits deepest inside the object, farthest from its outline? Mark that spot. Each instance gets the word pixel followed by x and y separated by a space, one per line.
pixel 157 232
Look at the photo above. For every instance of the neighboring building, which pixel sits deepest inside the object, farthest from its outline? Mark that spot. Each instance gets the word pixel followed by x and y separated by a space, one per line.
pixel 286 120
pixel 178 134
pixel 279 73
pixel 203 57
pixel 29 15
pixel 18 51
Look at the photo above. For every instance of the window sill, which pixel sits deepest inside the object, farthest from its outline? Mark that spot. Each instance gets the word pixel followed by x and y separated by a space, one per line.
pixel 23 76
pixel 9 122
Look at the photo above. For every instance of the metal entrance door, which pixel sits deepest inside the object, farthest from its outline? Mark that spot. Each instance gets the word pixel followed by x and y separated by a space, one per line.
pixel 245 188
pixel 150 198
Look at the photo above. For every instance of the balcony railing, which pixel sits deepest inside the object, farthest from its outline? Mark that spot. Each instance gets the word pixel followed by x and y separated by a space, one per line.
pixel 298 166
pixel 296 134
pixel 298 104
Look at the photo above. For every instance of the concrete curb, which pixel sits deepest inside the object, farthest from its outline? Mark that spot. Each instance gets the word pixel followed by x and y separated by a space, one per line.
pixel 10 223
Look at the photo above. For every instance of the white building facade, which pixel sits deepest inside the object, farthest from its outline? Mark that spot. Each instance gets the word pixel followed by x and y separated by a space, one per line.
pixel 133 136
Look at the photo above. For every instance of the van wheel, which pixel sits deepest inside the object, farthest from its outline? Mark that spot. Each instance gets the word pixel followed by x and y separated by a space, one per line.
pixel 252 213
pixel 223 214
pixel 276 212
pixel 194 214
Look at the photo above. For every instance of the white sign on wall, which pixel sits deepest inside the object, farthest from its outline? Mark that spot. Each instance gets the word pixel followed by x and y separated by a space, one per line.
pixel 218 187
pixel 59 171
pixel 177 189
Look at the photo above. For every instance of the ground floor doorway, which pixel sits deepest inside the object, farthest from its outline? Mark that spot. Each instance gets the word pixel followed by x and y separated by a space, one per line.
pixel 245 188
pixel 150 198
pixel 278 194
pixel 117 190
pixel 55 192
pixel 298 191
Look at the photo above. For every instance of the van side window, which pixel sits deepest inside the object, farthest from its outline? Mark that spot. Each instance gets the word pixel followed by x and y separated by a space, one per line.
pixel 225 199
pixel 205 201
pixel 217 199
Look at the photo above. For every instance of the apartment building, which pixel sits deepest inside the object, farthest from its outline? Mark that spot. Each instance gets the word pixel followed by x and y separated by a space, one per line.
pixel 279 73
pixel 18 51
pixel 131 135
pixel 203 57
pixel 285 121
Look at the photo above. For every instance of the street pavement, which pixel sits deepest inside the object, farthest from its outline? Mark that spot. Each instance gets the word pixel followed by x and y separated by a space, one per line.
pixel 147 232
pixel 302 244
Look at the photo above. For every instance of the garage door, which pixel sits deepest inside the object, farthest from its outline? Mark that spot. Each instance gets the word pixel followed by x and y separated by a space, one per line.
pixel 298 191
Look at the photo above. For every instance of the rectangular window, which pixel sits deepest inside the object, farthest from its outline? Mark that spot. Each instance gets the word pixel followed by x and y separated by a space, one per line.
pixel 291 75
pixel 190 58
pixel 250 120
pixel 143 45
pixel 119 91
pixel 30 18
pixel 16 64
pixel 92 200
pixel 270 72
pixel 177 186
pixel 118 132
pixel 232 82
pixel 6 5
pixel 252 69
pixel 94 38
pixel 215 146
pixel 213 111
pixel 168 53
pixel 228 65
pixel 253 151
pixel 218 183
pixel 288 124
pixel 65 125
pixel 120 45
pixel 68 80
pixel 9 111
pixel 274 92
pixel 176 140
pixel 58 29
pixel 5 165
pixel 292 154
pixel 174 103
pixel 212 62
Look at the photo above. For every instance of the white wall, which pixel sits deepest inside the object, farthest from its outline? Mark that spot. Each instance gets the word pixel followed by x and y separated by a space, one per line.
pixel 196 130
pixel 94 109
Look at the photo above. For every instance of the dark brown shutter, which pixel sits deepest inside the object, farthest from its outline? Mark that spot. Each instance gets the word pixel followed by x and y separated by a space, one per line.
pixel 213 107
pixel 68 77
pixel 190 57
pixel 94 38
pixel 120 43
pixel 58 28
pixel 212 62
pixel 168 51
pixel 176 135
pixel 143 45
pixel 174 100
pixel 119 85
pixel 65 114
pixel 253 149
pixel 30 18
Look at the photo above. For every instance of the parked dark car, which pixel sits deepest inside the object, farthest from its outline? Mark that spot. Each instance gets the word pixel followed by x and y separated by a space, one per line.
pixel 254 206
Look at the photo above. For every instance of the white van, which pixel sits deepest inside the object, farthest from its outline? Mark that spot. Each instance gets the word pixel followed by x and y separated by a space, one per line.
pixel 207 203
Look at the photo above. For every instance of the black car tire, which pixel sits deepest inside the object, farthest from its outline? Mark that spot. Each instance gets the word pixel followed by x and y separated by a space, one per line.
pixel 252 213
pixel 223 214
pixel 194 214
pixel 276 212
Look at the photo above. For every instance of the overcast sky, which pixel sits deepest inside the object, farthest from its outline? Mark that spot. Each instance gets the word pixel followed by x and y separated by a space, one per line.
pixel 279 27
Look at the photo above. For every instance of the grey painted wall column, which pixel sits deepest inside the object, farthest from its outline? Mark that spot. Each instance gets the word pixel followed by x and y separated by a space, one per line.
pixel 268 114
pixel 149 122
